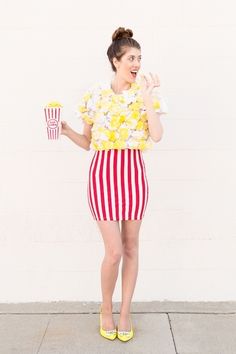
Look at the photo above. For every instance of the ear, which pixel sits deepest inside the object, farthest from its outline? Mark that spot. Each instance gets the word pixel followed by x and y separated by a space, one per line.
pixel 115 62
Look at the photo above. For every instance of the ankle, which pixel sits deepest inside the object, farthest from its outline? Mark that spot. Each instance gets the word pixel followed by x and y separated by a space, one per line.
pixel 124 314
pixel 106 308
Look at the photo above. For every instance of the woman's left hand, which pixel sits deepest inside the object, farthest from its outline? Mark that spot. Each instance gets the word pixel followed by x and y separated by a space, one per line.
pixel 148 83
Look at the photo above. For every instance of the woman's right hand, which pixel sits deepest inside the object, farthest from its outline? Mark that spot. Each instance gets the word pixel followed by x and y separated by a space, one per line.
pixel 64 128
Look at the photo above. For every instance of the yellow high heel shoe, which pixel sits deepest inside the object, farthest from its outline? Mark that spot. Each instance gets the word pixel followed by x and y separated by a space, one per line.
pixel 124 336
pixel 109 334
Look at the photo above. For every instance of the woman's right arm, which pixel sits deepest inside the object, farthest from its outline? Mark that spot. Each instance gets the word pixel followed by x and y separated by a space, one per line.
pixel 83 140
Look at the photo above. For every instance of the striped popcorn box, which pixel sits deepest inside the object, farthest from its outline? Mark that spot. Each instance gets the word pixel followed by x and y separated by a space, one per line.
pixel 53 117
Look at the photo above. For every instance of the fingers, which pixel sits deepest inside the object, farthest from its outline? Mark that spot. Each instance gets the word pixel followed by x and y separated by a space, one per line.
pixel 143 77
pixel 148 81
pixel 152 80
pixel 144 82
pixel 155 79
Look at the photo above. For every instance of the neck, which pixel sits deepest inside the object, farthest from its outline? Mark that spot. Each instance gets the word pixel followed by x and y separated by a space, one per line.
pixel 118 85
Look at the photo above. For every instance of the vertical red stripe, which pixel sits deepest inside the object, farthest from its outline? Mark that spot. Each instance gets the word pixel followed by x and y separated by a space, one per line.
pixel 94 186
pixel 116 185
pixel 143 184
pixel 101 185
pixel 45 112
pixel 130 182
pixel 88 198
pixel 147 187
pixel 136 184
pixel 122 180
pixel 89 185
pixel 109 184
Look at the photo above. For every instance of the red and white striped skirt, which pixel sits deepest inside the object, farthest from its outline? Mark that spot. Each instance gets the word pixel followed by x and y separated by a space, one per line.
pixel 117 186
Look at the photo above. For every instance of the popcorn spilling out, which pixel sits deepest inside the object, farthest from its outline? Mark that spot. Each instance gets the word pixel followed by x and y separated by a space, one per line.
pixel 54 104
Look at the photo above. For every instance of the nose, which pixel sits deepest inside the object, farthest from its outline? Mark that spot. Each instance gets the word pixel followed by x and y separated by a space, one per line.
pixel 137 64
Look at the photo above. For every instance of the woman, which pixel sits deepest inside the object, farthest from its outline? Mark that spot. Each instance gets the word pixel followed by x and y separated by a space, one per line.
pixel 119 117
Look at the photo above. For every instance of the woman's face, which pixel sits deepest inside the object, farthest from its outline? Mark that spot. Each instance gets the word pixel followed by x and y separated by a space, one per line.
pixel 129 64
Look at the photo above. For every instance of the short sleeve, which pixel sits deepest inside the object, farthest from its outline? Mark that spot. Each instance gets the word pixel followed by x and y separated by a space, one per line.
pixel 159 103
pixel 85 108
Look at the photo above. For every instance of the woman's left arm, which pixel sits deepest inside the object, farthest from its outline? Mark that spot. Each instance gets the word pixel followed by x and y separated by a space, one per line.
pixel 154 125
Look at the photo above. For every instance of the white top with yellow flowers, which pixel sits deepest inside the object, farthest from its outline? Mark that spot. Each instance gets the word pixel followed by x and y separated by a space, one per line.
pixel 118 121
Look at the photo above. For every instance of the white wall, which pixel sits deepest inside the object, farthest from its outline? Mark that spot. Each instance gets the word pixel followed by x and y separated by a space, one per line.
pixel 50 247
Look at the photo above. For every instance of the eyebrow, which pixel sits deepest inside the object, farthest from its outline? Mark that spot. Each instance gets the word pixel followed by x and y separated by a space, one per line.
pixel 134 56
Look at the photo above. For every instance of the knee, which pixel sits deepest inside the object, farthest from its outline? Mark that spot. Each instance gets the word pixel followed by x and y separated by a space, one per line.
pixel 130 249
pixel 114 257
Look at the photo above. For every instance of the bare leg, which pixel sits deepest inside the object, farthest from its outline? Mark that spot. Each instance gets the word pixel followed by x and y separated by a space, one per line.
pixel 110 231
pixel 130 240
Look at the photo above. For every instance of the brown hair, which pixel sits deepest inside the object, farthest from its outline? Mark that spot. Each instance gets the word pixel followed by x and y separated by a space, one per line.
pixel 121 39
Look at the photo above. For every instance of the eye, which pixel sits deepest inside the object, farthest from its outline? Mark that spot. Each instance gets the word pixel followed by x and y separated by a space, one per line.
pixel 133 57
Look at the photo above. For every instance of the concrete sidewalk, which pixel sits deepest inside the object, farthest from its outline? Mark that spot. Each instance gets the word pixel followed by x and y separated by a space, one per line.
pixel 160 328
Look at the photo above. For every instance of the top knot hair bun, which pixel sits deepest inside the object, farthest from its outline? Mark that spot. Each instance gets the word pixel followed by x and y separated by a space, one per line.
pixel 121 41
pixel 121 32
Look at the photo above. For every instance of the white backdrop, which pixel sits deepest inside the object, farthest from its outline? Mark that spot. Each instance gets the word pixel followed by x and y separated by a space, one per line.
pixel 50 247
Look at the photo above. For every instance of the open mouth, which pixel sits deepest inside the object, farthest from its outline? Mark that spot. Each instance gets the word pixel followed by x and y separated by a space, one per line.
pixel 134 73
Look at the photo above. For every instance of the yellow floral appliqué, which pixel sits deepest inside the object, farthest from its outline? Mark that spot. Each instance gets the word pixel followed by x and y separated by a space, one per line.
pixel 118 120
pixel 156 104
